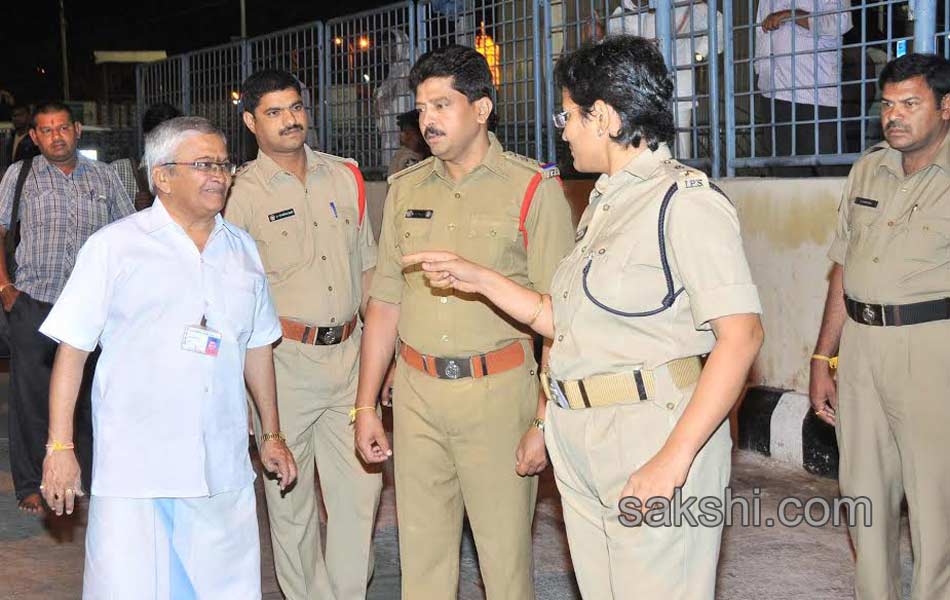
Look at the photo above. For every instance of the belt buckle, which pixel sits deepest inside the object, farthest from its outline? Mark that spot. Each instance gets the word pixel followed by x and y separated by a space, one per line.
pixel 452 370
pixel 557 393
pixel 867 313
pixel 329 336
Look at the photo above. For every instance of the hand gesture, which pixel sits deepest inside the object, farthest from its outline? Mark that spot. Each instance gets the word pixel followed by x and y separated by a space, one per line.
pixel 530 456
pixel 445 270
pixel 61 481
pixel 823 392
pixel 277 458
pixel 371 440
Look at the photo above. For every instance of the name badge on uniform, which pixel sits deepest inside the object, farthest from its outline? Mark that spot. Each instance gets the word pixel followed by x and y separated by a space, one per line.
pixel 419 213
pixel 866 202
pixel 201 340
pixel 283 214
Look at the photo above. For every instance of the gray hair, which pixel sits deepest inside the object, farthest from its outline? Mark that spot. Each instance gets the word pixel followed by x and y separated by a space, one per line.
pixel 162 143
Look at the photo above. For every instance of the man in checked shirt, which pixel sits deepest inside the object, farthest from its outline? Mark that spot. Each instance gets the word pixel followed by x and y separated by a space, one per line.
pixel 65 199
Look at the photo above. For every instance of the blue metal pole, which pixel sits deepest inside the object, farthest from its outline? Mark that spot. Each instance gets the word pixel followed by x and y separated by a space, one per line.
pixel 664 29
pixel 925 25
pixel 730 85
pixel 713 58
pixel 549 79
pixel 536 68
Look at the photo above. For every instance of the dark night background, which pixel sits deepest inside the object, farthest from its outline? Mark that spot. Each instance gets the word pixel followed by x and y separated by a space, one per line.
pixel 30 42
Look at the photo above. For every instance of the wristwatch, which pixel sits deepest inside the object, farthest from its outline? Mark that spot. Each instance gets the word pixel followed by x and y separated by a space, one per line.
pixel 539 423
pixel 275 435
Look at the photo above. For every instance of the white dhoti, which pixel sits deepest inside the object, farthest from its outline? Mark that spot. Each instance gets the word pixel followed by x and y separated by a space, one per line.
pixel 173 548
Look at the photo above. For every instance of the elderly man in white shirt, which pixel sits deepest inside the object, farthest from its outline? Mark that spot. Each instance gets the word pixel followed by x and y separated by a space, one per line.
pixel 798 63
pixel 178 300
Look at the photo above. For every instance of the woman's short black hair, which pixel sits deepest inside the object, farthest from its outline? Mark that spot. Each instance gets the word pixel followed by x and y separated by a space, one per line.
pixel 264 82
pixel 933 68
pixel 468 69
pixel 628 73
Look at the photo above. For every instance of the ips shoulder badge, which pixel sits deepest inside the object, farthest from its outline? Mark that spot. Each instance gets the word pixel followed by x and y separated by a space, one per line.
pixel 549 170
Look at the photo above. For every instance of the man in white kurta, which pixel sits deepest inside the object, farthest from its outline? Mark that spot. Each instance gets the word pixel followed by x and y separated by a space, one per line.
pixel 178 300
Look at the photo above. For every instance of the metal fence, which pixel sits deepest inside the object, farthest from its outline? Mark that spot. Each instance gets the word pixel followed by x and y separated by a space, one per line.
pixel 747 85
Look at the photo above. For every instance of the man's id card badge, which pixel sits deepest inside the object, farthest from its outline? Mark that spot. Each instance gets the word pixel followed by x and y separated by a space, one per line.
pixel 200 339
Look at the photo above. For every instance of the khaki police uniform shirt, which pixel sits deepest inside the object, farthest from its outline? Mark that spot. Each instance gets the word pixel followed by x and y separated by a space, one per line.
pixel 893 234
pixel 477 218
pixel 313 248
pixel 618 237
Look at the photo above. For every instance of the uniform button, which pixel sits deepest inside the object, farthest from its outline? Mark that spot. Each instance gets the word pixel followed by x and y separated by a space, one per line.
pixel 330 288
pixel 323 258
pixel 443 300
pixel 407 234
pixel 451 226
pixel 670 405
pixel 315 224
pixel 560 338
pixel 565 294
pixel 874 259
pixel 445 338
pixel 903 189
pixel 457 195
pixel 333 319
pixel 347 221
pixel 283 233
pixel 492 232
pixel 890 223
pixel 926 227
pixel 583 249
pixel 601 251
pixel 531 372
pixel 606 207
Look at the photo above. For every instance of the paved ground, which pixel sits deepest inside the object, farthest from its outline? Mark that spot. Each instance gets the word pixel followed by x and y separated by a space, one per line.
pixel 42 558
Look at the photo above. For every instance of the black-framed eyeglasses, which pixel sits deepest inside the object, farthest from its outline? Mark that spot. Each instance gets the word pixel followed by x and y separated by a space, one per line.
pixel 205 166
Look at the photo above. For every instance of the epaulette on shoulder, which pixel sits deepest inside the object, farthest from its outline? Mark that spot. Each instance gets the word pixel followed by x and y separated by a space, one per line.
pixel 687 178
pixel 410 169
pixel 244 168
pixel 547 170
pixel 335 158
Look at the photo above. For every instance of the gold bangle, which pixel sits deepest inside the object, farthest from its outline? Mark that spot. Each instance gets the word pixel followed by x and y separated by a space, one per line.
pixel 831 360
pixel 274 435
pixel 57 446
pixel 537 311
pixel 353 412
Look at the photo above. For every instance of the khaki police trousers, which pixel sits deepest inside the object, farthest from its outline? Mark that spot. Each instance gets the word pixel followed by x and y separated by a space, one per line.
pixel 454 451
pixel 893 421
pixel 594 451
pixel 315 418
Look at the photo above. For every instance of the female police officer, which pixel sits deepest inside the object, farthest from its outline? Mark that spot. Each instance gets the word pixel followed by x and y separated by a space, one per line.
pixel 657 279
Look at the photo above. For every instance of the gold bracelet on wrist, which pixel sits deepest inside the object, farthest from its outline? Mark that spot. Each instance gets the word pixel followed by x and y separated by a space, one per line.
pixel 353 412
pixel 57 446
pixel 831 360
pixel 537 311
pixel 273 435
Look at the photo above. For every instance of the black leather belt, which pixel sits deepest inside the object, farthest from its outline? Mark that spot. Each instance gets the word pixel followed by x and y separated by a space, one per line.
pixel 895 315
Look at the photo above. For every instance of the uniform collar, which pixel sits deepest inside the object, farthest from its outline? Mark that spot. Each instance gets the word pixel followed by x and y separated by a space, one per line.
pixel 893 159
pixel 158 218
pixel 642 166
pixel 493 161
pixel 270 169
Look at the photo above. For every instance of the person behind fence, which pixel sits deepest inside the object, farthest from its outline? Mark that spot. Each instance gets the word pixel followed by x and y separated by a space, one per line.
pixel 131 172
pixel 657 280
pixel 305 210
pixel 798 63
pixel 887 318
pixel 21 145
pixel 637 17
pixel 412 146
pixel 49 205
pixel 467 412
pixel 178 300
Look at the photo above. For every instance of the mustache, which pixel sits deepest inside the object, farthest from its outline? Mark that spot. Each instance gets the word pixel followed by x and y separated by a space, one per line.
pixel 895 125
pixel 431 131
pixel 290 129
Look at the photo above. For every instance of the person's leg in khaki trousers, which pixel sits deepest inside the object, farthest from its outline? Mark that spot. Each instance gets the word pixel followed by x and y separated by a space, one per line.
pixel 892 418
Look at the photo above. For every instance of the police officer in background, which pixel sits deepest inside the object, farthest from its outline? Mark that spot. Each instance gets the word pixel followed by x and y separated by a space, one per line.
pixel 634 415
pixel 306 212
pixel 888 316
pixel 467 415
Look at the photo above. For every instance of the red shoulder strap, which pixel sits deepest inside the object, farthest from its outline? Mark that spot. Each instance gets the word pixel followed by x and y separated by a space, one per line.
pixel 526 204
pixel 361 190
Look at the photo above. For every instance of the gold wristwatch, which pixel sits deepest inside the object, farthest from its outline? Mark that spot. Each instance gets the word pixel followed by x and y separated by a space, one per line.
pixel 274 435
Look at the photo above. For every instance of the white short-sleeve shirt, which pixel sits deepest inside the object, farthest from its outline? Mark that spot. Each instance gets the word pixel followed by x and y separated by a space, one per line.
pixel 168 422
